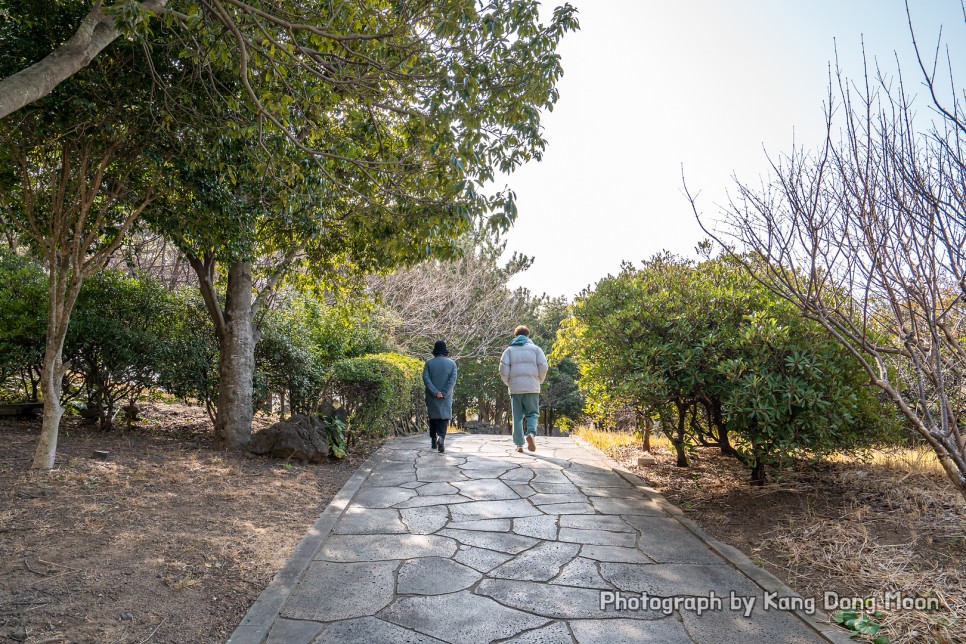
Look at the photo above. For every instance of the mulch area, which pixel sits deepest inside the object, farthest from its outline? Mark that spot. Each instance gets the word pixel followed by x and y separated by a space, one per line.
pixel 857 529
pixel 168 540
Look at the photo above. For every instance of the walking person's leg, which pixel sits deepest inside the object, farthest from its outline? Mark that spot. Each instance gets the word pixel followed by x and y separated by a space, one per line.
pixel 441 433
pixel 432 433
pixel 516 406
pixel 530 404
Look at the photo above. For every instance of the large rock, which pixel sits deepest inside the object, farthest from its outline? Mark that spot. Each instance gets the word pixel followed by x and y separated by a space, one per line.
pixel 301 438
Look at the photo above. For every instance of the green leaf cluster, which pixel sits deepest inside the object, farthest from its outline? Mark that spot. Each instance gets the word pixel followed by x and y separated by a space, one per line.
pixel 862 623
pixel 721 361
pixel 382 393
pixel 23 323
pixel 301 339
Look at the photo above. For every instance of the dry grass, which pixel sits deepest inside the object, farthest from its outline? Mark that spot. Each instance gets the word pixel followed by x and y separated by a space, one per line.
pixel 608 441
pixel 883 522
pixel 175 536
pixel 920 460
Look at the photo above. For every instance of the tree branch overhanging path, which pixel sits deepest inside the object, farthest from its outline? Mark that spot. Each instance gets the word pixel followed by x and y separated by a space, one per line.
pixel 368 132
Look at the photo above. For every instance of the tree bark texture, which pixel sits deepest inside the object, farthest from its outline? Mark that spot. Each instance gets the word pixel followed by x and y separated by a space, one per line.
pixel 61 296
pixel 233 423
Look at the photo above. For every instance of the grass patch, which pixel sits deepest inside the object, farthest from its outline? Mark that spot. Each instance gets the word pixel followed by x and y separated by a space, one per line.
pixel 611 441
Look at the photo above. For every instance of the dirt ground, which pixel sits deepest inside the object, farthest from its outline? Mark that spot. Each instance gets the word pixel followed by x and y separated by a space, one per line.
pixel 168 540
pixel 851 528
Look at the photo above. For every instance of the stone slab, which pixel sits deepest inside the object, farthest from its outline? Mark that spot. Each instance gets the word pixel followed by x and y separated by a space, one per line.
pixel 555 633
pixel 596 522
pixel 366 630
pixel 434 576
pixel 665 540
pixel 666 580
pixel 523 490
pixel 552 601
pixel 500 541
pixel 629 506
pixel 364 547
pixel 486 490
pixel 598 537
pixel 568 508
pixel 582 573
pixel 547 499
pixel 363 589
pixel 439 474
pixel 391 479
pixel 425 520
pixel 358 520
pixel 481 559
pixel 615 554
pixel 540 527
pixel 493 510
pixel 487 525
pixel 518 475
pixel 464 617
pixel 542 562
pixel 285 631
pixel 612 492
pixel 437 489
pixel 381 497
pixel 763 627
pixel 607 631
pixel 429 501
pixel 555 488
pixel 597 479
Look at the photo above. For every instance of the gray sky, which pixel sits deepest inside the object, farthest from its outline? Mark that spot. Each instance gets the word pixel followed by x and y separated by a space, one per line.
pixel 708 84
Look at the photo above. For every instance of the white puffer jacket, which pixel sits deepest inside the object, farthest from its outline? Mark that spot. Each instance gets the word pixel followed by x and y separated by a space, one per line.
pixel 523 366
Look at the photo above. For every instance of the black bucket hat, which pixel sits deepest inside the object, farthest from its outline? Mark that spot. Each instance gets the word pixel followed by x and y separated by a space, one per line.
pixel 439 349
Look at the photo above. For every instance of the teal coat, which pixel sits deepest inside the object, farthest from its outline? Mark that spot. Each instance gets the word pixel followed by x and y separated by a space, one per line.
pixel 439 375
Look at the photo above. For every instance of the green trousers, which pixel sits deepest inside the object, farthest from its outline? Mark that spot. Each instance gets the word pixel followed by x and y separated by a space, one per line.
pixel 524 406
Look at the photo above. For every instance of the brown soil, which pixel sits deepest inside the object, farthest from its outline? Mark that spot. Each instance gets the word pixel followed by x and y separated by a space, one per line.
pixel 168 540
pixel 856 529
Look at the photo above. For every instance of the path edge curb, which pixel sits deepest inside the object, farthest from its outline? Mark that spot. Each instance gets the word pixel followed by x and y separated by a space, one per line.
pixel 732 555
pixel 255 625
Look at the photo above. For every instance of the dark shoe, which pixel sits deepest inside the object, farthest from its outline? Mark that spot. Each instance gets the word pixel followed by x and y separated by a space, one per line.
pixel 439 445
pixel 520 449
pixel 530 444
pixel 433 444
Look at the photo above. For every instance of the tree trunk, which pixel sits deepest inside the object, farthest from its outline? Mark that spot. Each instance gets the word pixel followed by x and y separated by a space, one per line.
pixel 648 429
pixel 236 369
pixel 50 385
pixel 758 474
pixel 61 295
pixel 679 437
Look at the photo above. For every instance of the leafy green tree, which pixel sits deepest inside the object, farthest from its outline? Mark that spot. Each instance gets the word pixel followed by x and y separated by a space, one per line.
pixel 739 368
pixel 22 324
pixel 374 134
pixel 188 359
pixel 116 339
pixel 77 169
pixel 301 340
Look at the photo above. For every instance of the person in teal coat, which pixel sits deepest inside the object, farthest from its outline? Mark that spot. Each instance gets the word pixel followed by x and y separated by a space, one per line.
pixel 439 376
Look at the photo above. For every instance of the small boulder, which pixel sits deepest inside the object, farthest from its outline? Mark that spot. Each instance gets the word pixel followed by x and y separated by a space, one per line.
pixel 300 438
pixel 647 459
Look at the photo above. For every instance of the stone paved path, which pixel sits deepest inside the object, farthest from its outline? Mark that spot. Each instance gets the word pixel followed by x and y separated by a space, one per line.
pixel 483 544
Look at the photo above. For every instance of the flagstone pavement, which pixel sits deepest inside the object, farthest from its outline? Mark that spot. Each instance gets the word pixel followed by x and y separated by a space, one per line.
pixel 484 544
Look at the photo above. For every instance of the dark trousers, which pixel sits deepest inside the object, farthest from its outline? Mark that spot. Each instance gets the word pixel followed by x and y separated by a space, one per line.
pixel 437 428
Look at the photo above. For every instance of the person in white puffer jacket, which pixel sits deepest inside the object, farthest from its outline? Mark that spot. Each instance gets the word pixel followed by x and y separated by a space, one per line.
pixel 523 368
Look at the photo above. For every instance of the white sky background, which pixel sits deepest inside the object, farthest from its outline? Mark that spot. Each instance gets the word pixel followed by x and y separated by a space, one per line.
pixel 710 84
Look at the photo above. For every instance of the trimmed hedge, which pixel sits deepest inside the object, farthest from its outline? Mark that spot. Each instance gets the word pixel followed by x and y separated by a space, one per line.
pixel 381 393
